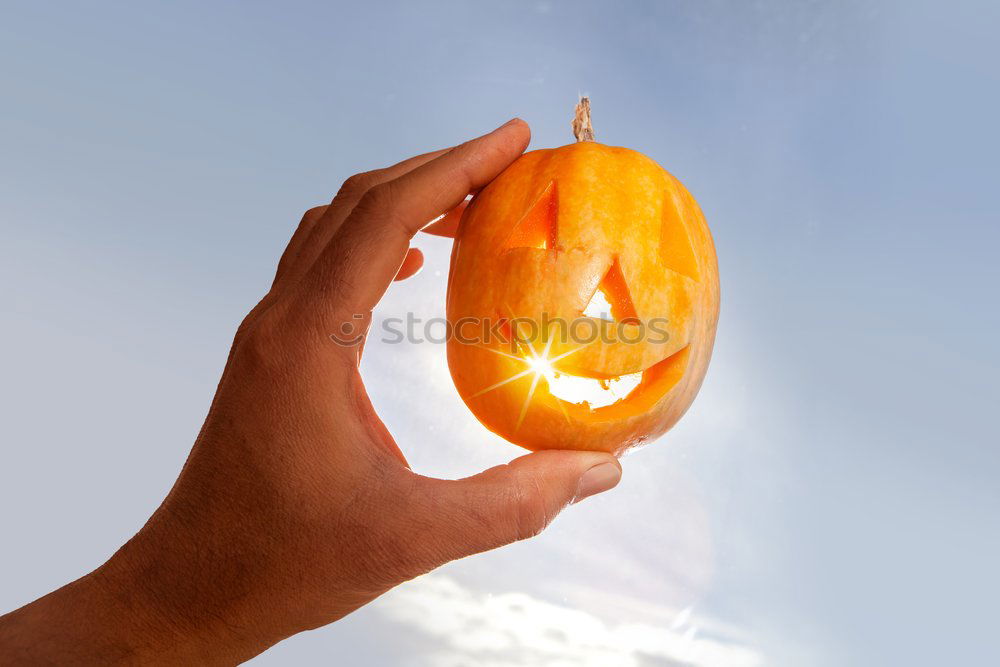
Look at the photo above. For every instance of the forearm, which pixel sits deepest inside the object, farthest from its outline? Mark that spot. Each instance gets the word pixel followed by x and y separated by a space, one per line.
pixel 211 579
pixel 117 614
pixel 80 623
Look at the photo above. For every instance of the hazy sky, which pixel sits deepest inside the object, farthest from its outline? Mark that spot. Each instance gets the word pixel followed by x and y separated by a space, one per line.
pixel 832 496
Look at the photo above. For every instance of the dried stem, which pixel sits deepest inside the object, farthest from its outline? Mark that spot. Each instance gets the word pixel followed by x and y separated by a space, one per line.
pixel 582 129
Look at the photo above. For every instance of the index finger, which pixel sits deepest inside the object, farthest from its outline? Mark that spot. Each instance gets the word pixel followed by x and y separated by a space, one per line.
pixel 368 249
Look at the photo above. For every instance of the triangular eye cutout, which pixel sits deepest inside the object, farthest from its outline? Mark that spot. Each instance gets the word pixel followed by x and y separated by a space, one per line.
pixel 611 300
pixel 537 228
pixel 676 251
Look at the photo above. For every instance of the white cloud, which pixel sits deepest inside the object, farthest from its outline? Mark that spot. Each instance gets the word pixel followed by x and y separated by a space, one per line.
pixel 518 630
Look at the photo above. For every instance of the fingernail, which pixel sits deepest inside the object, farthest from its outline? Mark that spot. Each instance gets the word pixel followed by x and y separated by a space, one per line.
pixel 600 478
pixel 509 122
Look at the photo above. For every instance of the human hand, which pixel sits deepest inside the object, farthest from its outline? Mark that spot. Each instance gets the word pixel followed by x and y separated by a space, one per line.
pixel 296 506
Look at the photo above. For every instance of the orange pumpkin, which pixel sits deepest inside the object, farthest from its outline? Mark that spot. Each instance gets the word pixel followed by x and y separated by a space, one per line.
pixel 583 296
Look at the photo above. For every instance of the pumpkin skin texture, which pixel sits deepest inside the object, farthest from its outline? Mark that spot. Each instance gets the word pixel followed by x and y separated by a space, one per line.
pixel 538 244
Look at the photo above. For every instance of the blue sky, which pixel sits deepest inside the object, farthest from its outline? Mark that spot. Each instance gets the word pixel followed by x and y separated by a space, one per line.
pixel 831 497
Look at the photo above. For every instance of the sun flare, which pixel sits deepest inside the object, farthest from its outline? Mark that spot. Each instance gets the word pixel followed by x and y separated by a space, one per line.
pixel 540 365
pixel 590 392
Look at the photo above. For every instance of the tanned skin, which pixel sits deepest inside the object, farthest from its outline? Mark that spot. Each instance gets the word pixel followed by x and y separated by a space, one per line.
pixel 296 506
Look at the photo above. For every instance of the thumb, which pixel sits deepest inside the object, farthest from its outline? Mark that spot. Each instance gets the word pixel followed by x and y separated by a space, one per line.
pixel 510 502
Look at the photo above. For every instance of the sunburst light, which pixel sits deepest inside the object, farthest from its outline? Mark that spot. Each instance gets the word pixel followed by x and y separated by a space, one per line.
pixel 590 392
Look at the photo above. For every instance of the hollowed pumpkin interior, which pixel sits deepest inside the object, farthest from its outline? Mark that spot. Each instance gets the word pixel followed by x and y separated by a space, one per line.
pixel 616 397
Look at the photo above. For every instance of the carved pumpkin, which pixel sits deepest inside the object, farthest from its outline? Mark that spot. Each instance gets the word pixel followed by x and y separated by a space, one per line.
pixel 602 239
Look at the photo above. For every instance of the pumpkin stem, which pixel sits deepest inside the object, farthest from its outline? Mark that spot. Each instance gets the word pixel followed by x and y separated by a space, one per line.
pixel 582 129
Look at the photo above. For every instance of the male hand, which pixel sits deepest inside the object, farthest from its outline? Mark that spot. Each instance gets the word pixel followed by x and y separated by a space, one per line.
pixel 296 506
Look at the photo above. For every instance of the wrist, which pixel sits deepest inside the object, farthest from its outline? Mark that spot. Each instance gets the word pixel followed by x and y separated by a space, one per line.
pixel 167 612
pixel 83 622
pixel 147 604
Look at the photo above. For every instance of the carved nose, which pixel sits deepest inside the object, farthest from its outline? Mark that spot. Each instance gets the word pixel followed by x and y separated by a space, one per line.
pixel 611 300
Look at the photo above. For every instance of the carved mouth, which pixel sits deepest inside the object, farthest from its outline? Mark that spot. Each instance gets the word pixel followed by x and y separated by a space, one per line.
pixel 591 392
pixel 594 393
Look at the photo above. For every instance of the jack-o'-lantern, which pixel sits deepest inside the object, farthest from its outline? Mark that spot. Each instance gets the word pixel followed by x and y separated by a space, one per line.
pixel 583 298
